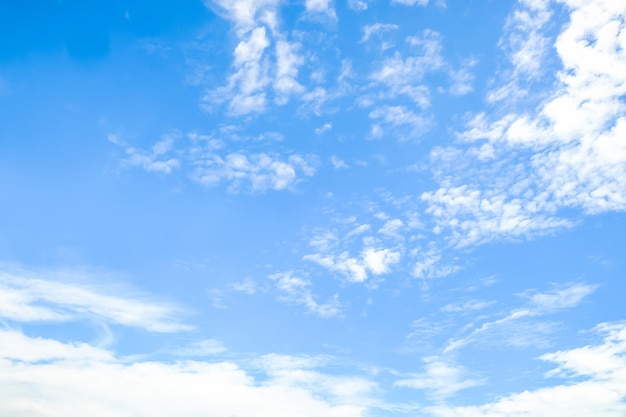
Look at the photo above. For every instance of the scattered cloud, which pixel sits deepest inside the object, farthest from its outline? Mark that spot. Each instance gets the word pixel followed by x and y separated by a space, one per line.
pixel 569 153
pixel 357 269
pixel 253 172
pixel 206 162
pixel 404 76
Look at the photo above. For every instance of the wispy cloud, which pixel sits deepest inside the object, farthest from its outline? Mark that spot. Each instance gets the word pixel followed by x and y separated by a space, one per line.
pixel 375 29
pixel 538 304
pixel 441 378
pixel 296 290
pixel 596 384
pixel 25 296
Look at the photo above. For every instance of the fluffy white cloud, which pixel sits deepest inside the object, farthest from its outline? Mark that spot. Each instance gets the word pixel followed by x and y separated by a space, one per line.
pixel 44 377
pixel 263 57
pixel 568 153
pixel 371 261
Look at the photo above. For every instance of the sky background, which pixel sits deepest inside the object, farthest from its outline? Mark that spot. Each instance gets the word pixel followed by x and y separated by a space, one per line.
pixel 343 208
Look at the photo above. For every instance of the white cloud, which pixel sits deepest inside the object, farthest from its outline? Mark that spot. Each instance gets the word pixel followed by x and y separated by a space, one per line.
pixel 255 172
pixel 380 261
pixel 375 29
pixel 559 299
pixel 15 346
pixel 263 57
pixel 429 265
pixel 404 76
pixel 568 153
pixel 208 347
pixel 357 269
pixel 208 162
pixel 526 45
pixel 296 290
pixel 596 385
pixel 392 228
pixel 358 5
pixel 154 160
pixel 246 14
pixel 462 79
pixel 300 371
pixel 321 6
pixel 441 377
pixel 247 286
pixel 539 304
pixel 403 122
pixel 338 163
pixel 46 378
pixel 411 2
pixel 323 129
pixel 24 298
pixel 466 306
pixel 287 64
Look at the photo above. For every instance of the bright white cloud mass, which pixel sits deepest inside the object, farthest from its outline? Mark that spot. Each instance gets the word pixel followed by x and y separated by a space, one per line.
pixel 337 208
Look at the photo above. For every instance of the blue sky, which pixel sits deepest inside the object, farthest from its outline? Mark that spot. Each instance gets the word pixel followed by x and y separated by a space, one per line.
pixel 312 208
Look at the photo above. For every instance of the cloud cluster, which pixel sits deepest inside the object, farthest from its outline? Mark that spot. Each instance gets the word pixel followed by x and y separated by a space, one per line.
pixel 207 161
pixel 568 153
pixel 264 59
pixel 256 172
